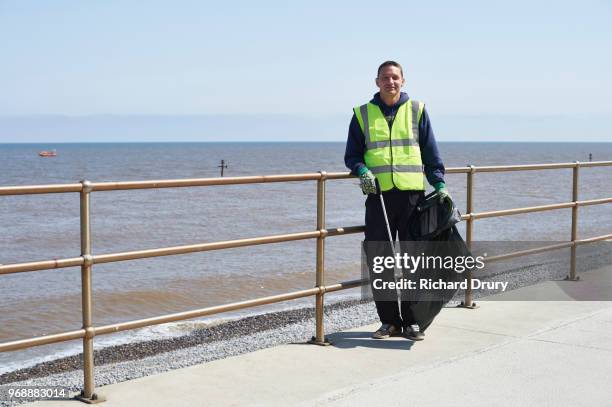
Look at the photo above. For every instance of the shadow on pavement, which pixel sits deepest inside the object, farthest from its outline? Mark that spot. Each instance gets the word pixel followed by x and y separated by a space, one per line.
pixel 354 339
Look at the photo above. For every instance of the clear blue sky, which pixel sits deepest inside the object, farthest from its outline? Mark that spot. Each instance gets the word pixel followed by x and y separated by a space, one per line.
pixel 313 59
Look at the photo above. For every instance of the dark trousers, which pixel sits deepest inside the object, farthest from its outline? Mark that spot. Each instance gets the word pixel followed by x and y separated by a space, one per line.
pixel 399 206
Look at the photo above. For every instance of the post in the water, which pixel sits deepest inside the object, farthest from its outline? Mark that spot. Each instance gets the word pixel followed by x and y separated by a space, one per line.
pixel 222 166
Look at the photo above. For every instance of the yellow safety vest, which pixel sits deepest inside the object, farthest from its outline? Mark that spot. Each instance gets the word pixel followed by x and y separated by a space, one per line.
pixel 394 157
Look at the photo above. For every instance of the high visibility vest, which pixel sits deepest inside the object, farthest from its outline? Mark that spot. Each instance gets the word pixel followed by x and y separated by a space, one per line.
pixel 394 157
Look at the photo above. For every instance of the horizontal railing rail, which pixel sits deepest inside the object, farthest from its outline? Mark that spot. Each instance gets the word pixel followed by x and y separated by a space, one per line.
pixel 259 179
pixel 88 259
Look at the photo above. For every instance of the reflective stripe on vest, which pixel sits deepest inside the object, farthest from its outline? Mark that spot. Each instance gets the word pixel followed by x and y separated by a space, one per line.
pixel 394 157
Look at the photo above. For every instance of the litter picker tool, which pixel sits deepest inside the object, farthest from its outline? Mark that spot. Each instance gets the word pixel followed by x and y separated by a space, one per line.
pixel 384 209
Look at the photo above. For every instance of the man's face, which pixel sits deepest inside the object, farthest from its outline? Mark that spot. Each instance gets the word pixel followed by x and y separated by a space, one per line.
pixel 390 81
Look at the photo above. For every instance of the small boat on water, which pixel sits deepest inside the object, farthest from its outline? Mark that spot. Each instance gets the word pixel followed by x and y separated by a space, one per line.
pixel 51 153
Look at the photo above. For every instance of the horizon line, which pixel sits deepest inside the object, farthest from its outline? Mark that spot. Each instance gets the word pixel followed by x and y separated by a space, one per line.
pixel 291 141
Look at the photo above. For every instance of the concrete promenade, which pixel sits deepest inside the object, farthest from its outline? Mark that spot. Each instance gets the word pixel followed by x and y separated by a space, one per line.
pixel 509 352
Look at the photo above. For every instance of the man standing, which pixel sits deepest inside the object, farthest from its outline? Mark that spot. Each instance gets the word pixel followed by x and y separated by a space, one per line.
pixel 391 141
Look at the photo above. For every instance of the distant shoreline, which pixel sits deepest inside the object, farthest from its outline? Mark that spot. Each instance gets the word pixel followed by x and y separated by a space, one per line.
pixel 288 142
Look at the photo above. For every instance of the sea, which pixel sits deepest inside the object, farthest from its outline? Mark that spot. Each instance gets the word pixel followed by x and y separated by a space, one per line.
pixel 42 227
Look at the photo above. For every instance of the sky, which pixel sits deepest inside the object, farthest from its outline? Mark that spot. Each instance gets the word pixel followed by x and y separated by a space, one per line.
pixel 512 70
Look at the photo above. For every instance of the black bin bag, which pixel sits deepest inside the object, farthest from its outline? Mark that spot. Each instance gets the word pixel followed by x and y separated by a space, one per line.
pixel 434 235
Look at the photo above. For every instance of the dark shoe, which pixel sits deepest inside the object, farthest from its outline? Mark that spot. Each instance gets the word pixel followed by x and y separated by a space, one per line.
pixel 414 333
pixel 387 330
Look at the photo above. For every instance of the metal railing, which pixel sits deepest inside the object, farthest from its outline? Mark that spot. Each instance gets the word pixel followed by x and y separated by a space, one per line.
pixel 88 259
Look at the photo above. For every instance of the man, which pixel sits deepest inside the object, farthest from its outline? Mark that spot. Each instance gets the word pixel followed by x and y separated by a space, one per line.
pixel 391 141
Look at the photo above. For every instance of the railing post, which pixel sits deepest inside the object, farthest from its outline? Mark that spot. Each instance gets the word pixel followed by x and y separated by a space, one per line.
pixel 572 275
pixel 469 228
pixel 319 338
pixel 87 394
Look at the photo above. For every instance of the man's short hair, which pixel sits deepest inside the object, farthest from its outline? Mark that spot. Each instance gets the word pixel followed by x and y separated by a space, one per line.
pixel 390 63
